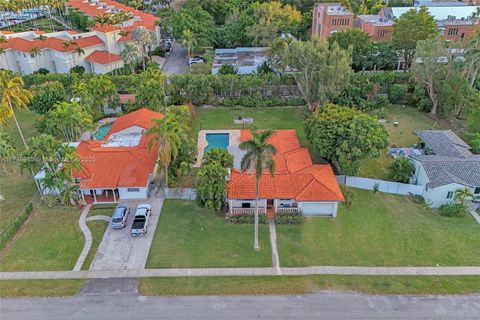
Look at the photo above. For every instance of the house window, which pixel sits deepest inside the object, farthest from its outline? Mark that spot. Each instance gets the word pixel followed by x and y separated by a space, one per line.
pixel 133 189
pixel 426 188
pixel 245 204
pixel 477 190
pixel 449 194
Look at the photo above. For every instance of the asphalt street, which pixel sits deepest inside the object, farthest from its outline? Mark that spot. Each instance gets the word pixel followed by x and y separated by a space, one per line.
pixel 176 62
pixel 324 305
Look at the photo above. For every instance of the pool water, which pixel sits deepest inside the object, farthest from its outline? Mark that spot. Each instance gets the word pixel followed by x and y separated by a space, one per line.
pixel 102 131
pixel 217 141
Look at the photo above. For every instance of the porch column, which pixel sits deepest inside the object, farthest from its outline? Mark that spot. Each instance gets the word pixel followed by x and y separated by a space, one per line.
pixel 83 196
pixel 230 206
pixel 94 196
pixel 114 197
pixel 275 204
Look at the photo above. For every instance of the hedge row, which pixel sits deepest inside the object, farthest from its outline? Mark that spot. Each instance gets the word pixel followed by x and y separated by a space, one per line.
pixel 12 229
pixel 280 218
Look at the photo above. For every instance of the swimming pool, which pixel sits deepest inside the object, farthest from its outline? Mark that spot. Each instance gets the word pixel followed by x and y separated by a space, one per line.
pixel 217 141
pixel 102 131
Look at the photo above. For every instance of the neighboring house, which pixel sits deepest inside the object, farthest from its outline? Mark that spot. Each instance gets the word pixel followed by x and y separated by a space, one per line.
pixel 328 18
pixel 245 60
pixel 120 166
pixel 25 53
pixel 297 186
pixel 449 166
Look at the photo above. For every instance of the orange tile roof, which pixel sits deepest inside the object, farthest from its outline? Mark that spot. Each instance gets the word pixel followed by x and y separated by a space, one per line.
pixel 113 167
pixel 23 45
pixel 296 177
pixel 103 57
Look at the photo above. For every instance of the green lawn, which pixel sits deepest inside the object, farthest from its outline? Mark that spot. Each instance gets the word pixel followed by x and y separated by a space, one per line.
pixel 403 135
pixel 50 240
pixel 381 230
pixel 102 210
pixel 16 187
pixel 39 288
pixel 263 118
pixel 40 24
pixel 190 236
pixel 308 284
pixel 98 229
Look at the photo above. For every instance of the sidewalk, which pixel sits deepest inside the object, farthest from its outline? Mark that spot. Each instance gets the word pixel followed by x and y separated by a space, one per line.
pixel 215 272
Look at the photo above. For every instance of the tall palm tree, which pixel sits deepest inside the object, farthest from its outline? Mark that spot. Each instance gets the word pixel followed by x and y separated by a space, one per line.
pixel 472 56
pixel 13 94
pixel 79 51
pixel 167 133
pixel 259 156
pixel 189 40
pixel 35 52
pixel 462 195
pixel 103 20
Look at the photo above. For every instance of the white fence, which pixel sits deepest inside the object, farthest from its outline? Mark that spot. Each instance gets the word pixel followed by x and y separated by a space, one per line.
pixel 180 193
pixel 383 186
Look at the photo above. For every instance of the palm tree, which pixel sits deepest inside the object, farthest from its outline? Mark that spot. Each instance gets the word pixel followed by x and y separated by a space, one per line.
pixel 67 44
pixel 473 58
pixel 167 133
pixel 462 195
pixel 188 40
pixel 13 94
pixel 41 38
pixel 79 51
pixel 35 52
pixel 258 157
pixel 103 20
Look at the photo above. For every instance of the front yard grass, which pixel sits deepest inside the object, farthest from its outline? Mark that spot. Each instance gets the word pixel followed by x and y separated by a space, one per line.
pixel 50 240
pixel 409 120
pixel 190 236
pixel 40 288
pixel 16 187
pixel 381 230
pixel 264 285
pixel 97 228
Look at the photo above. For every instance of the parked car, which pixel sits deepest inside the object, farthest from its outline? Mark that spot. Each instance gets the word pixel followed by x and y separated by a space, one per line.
pixel 140 221
pixel 197 59
pixel 120 215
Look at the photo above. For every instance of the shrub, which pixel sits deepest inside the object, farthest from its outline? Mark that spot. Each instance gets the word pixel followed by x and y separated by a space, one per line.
pixel 78 69
pixel 349 196
pixel 220 156
pixel 158 52
pixel 457 210
pixel 417 199
pixel 424 105
pixel 227 69
pixel 401 169
pixel 397 93
pixel 42 71
pixel 247 219
pixel 289 218
pixel 12 229
pixel 46 95
pixel 380 102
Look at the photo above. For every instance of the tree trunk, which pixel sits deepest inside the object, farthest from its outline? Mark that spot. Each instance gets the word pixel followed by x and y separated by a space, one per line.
pixel 256 246
pixel 474 76
pixel 19 129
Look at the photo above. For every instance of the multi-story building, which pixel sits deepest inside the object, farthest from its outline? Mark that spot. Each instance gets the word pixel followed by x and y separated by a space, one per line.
pixel 329 18
pixel 454 22
pixel 98 50
pixel 454 19
pixel 379 28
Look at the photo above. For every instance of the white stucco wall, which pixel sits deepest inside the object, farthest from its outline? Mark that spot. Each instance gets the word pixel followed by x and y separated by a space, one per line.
pixel 125 194
pixel 438 196
pixel 238 203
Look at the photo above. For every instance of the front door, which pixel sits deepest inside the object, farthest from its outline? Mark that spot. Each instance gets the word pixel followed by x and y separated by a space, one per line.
pixel 269 203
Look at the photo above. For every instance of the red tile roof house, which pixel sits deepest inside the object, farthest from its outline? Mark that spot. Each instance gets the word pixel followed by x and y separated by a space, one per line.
pixel 120 166
pixel 297 186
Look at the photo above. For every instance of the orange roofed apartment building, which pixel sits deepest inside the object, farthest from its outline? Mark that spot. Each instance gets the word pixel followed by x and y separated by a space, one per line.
pixel 101 47
pixel 120 165
pixel 297 186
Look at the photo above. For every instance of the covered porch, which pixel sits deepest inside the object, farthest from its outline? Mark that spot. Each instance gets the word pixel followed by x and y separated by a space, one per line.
pixel 270 206
pixel 94 196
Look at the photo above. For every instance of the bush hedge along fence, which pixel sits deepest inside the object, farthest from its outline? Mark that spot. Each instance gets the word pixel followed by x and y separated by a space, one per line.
pixel 14 226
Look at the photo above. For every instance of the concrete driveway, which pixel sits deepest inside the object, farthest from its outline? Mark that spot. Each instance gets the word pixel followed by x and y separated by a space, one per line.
pixel 119 250
pixel 176 62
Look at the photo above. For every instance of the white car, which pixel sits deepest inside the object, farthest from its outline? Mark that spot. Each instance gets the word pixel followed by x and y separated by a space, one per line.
pixel 140 221
pixel 196 60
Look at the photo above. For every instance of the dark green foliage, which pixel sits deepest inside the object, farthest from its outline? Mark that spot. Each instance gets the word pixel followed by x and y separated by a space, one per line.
pixel 42 71
pixel 457 210
pixel 473 139
pixel 257 100
pixel 211 186
pixel 220 156
pixel 79 20
pixel 401 169
pixel 198 21
pixel 247 219
pixel 345 136
pixel 46 95
pixel 398 93
pixel 227 69
pixel 348 195
pixel 288 218
pixel 78 69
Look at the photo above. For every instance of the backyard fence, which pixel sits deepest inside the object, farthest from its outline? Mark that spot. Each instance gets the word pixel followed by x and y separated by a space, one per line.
pixel 381 185
pixel 180 193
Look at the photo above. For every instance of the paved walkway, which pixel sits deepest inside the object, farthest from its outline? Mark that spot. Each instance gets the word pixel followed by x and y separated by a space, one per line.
pixel 214 272
pixel 88 238
pixel 473 210
pixel 273 244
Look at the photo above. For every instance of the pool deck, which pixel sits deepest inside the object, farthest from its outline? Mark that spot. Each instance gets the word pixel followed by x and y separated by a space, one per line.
pixel 233 140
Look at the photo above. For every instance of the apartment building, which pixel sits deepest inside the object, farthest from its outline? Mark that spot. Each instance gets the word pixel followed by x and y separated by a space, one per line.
pixel 329 18
pixel 379 28
pixel 98 51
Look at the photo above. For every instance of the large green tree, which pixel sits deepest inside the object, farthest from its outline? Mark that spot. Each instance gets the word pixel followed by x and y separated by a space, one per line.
pixel 198 21
pixel 258 157
pixel 211 186
pixel 411 27
pixel 151 89
pixel 321 72
pixel 401 169
pixel 46 95
pixel 272 19
pixel 345 136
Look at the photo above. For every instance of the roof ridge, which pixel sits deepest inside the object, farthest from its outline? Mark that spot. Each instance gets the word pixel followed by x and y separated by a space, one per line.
pixel 307 186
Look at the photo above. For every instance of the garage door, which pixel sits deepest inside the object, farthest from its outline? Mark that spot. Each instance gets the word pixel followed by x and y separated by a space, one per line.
pixel 317 209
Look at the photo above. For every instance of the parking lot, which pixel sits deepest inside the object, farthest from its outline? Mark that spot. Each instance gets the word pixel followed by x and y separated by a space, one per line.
pixel 119 250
